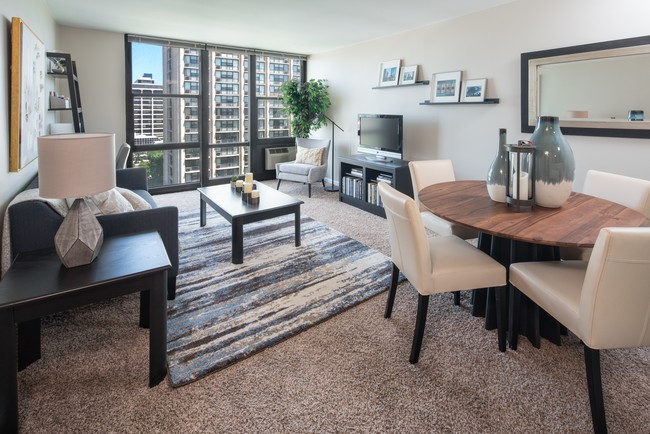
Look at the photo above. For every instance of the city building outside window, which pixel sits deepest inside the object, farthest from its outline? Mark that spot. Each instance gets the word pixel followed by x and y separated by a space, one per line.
pixel 168 119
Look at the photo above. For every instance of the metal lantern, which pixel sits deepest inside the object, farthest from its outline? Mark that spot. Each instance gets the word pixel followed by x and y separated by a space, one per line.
pixel 520 182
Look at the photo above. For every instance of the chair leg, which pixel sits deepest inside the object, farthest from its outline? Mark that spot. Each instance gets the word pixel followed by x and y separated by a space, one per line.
pixel 420 322
pixel 323 182
pixel 513 322
pixel 595 386
pixel 391 292
pixel 309 190
pixel 278 187
pixel 457 298
pixel 502 316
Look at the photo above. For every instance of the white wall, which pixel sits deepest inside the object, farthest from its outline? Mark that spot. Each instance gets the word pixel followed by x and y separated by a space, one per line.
pixel 487 44
pixel 484 45
pixel 36 15
pixel 100 68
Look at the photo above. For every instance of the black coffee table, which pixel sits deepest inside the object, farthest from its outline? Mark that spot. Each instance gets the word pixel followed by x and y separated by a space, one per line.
pixel 229 204
pixel 37 284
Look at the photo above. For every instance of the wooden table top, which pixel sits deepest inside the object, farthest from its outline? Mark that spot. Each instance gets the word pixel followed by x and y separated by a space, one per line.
pixel 576 223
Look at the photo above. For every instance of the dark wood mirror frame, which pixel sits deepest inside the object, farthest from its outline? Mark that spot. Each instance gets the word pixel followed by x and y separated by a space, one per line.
pixel 529 86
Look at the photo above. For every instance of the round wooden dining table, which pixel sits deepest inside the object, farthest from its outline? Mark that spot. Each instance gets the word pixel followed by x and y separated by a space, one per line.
pixel 511 236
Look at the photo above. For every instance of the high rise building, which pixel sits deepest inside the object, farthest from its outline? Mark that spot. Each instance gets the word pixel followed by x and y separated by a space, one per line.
pixel 175 119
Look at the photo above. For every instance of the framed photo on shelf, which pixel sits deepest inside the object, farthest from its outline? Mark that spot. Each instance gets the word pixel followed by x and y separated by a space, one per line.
pixel 27 120
pixel 408 74
pixel 389 73
pixel 446 86
pixel 474 90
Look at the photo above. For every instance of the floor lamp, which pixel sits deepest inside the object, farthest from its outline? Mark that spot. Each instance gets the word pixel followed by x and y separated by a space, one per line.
pixel 332 188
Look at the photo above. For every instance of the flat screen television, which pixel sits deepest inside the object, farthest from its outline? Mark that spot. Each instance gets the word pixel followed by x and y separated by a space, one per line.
pixel 381 136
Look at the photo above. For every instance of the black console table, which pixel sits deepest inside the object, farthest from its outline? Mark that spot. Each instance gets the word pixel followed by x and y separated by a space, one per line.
pixel 359 175
pixel 37 284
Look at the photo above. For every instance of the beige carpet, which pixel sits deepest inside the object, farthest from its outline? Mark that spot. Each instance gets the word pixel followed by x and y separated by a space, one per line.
pixel 348 374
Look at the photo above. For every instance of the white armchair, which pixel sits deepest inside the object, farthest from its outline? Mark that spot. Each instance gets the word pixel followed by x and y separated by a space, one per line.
pixel 310 164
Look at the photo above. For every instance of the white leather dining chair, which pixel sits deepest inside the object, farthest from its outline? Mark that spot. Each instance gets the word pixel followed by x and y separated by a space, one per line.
pixel 631 192
pixel 429 172
pixel 604 301
pixel 434 265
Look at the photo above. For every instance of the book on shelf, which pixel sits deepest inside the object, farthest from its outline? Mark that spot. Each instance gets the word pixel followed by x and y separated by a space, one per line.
pixel 356 171
pixel 373 194
pixel 352 186
pixel 384 177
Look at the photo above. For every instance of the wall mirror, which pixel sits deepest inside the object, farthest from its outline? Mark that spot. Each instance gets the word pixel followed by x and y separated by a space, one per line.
pixel 596 89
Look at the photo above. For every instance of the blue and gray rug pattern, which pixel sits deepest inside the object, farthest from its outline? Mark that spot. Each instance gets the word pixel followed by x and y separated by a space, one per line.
pixel 224 312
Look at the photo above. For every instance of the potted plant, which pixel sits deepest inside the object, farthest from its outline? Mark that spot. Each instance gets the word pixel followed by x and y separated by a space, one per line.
pixel 306 104
pixel 233 181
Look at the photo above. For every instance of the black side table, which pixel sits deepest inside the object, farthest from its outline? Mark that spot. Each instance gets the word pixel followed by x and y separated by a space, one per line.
pixel 37 284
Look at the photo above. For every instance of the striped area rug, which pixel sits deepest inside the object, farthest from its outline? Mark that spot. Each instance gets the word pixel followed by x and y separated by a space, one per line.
pixel 225 312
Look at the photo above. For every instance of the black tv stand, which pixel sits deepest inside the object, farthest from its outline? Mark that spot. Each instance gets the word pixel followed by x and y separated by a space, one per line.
pixel 358 179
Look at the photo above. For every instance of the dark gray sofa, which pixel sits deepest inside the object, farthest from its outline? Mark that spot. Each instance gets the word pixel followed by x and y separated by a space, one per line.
pixel 34 223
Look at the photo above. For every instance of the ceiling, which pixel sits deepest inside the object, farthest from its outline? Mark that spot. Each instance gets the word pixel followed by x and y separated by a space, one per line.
pixel 295 26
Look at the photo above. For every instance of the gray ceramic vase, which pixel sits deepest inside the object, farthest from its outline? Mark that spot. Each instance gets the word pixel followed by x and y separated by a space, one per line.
pixel 554 163
pixel 496 176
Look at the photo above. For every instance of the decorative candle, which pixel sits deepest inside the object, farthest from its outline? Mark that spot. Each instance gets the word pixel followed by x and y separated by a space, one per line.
pixel 255 194
pixel 248 187
pixel 248 177
pixel 520 187
pixel 239 183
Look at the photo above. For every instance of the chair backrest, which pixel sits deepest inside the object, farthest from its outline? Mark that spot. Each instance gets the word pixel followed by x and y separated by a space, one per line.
pixel 615 299
pixel 122 156
pixel 316 143
pixel 429 172
pixel 632 192
pixel 408 240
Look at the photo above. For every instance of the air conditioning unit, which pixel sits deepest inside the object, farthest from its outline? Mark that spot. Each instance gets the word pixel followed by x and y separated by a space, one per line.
pixel 278 155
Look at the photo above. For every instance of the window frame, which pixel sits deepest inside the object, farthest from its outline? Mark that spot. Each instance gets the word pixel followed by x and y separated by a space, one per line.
pixel 203 144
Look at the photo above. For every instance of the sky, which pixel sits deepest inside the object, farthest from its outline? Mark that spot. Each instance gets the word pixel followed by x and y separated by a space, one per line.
pixel 147 58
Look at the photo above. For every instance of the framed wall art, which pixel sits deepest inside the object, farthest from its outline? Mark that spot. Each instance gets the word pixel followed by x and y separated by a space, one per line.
pixel 389 73
pixel 474 90
pixel 446 86
pixel 27 94
pixel 408 74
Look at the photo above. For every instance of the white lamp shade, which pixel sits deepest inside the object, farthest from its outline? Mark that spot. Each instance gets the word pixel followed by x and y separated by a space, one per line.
pixel 76 165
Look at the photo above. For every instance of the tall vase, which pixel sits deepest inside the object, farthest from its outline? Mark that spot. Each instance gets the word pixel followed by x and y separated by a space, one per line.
pixel 554 163
pixel 496 176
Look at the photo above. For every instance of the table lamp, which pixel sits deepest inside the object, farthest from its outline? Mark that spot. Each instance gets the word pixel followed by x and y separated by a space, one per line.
pixel 74 166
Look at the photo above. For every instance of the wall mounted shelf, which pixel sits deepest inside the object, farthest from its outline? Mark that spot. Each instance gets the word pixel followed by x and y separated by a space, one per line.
pixel 487 101
pixel 417 83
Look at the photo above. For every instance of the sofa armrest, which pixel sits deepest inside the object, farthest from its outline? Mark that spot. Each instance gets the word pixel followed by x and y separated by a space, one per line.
pixel 132 178
pixel 33 224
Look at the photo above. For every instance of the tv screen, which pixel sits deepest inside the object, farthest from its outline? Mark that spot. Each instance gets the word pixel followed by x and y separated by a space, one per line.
pixel 381 135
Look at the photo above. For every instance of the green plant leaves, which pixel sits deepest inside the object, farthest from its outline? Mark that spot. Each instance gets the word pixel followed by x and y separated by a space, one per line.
pixel 306 103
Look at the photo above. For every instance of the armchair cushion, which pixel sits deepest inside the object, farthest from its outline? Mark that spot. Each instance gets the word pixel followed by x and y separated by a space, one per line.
pixel 313 156
pixel 301 169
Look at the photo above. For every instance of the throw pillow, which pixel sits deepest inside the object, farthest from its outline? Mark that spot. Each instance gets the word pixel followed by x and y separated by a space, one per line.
pixel 108 202
pixel 313 156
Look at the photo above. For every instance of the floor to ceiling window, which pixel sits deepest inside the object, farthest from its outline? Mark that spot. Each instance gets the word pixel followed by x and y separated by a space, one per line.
pixel 190 109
